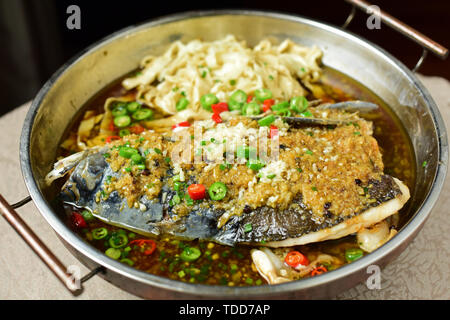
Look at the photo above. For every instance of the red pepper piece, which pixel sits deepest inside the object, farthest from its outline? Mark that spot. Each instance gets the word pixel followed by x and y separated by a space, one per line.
pixel 181 124
pixel 220 107
pixel 197 191
pixel 111 138
pixel 273 131
pixel 216 117
pixel 78 220
pixel 137 129
pixel 267 104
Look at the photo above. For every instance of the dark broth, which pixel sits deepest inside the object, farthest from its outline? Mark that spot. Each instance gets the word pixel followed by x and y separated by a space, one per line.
pixel 223 265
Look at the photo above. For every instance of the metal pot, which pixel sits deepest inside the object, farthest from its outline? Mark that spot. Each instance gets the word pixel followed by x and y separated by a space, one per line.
pixel 59 101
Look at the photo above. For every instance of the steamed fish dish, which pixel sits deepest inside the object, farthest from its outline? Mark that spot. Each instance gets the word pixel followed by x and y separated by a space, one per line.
pixel 222 164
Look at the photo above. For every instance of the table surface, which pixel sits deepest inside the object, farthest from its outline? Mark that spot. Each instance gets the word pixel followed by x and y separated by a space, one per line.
pixel 420 272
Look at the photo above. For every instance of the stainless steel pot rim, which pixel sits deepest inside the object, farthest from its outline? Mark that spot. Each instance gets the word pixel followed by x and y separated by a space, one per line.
pixel 62 230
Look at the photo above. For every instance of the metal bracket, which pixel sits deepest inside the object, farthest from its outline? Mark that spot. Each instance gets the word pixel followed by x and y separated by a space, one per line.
pixel 426 43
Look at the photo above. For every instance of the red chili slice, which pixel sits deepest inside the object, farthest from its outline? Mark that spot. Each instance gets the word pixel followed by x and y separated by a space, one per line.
pixel 318 270
pixel 111 138
pixel 295 259
pixel 197 191
pixel 181 124
pixel 216 117
pixel 78 220
pixel 273 131
pixel 219 107
pixel 112 127
pixel 137 129
pixel 148 245
pixel 267 104
pixel 249 98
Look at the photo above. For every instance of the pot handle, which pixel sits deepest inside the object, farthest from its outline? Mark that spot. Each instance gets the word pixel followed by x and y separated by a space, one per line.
pixel 426 43
pixel 52 262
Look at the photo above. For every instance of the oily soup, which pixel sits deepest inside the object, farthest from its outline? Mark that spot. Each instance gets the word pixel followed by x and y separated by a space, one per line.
pixel 211 222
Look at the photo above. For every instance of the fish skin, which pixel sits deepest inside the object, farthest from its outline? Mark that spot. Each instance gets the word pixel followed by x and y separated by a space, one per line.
pixel 268 224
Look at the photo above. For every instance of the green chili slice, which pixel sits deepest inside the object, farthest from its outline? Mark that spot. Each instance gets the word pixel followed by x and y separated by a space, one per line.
pixel 263 94
pixel 251 109
pixel 280 106
pixel 143 114
pixel 182 104
pixel 134 106
pixel 190 254
pixel 124 132
pixel 118 240
pixel 119 110
pixel 99 233
pixel 299 104
pixel 207 100
pixel 122 121
pixel 113 253
pixel 239 96
pixel 127 261
pixel 266 121
pixel 353 254
pixel 217 191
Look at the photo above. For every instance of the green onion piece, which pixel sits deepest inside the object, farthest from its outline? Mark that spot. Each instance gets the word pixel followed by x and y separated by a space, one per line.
pixel 127 261
pixel 249 281
pixel 251 109
pixel 266 121
pixel 217 191
pixel 190 254
pixel 178 186
pixel 113 253
pixel 245 151
pixel 232 82
pixel 248 227
pixel 182 104
pixel 137 158
pixel 271 176
pixel 306 114
pixel 309 152
pixel 299 104
pixel 157 150
pixel 176 199
pixel 87 215
pixel 134 106
pixel 314 188
pixel 118 240
pixel 353 254
pixel 255 165
pixel 424 164
pixel 263 94
pixel 224 166
pixel 140 166
pixel 99 233
pixel 143 114
pixel 207 100
pixel 122 121
pixel 124 132
pixel 127 152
